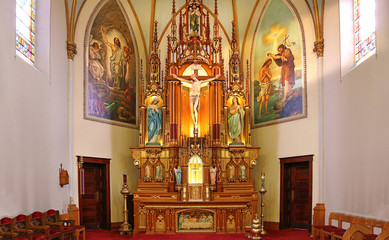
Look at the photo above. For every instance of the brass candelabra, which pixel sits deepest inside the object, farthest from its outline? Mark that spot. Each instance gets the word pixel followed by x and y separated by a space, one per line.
pixel 125 227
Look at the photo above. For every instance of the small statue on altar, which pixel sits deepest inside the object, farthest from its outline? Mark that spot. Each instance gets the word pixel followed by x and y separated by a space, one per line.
pixel 158 173
pixel 231 172
pixel 212 173
pixel 235 121
pixel 177 173
pixel 147 176
pixel 242 174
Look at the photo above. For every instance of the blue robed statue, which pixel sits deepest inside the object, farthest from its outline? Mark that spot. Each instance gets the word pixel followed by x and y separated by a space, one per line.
pixel 154 123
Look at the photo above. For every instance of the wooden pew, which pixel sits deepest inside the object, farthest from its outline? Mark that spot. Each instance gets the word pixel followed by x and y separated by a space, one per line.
pixel 356 232
pixel 384 234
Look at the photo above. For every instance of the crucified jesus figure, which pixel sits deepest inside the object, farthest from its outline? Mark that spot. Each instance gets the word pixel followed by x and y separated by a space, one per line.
pixel 196 85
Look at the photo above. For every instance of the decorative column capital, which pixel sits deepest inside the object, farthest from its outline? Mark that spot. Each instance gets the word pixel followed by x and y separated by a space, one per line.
pixel 71 48
pixel 319 47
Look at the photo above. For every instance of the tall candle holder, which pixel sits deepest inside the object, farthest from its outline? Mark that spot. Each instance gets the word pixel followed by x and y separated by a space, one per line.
pixel 262 191
pixel 125 227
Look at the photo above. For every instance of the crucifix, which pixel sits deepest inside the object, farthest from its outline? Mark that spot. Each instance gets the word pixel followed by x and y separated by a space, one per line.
pixel 196 85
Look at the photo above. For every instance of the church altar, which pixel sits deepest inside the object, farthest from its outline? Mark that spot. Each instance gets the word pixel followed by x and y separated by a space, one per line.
pixel 194 157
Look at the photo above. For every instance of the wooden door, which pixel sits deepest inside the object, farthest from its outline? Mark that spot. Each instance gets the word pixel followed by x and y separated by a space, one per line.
pixel 94 195
pixel 296 192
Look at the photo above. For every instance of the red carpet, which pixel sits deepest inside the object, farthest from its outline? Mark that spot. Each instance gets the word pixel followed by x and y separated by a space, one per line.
pixel 286 234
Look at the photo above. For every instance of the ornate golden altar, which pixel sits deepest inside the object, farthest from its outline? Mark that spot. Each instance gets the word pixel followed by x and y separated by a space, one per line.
pixel 194 155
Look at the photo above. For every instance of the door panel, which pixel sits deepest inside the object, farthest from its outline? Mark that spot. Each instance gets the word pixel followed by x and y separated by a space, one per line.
pixel 296 192
pixel 92 202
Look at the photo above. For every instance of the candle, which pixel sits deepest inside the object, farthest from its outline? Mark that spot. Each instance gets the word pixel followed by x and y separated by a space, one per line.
pixel 124 178
pixel 263 180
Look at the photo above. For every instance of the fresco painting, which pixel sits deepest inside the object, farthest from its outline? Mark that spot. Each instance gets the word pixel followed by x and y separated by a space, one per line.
pixel 110 84
pixel 279 84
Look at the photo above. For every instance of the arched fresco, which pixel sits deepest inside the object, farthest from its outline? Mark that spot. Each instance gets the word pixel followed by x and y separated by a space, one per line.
pixel 110 68
pixel 278 53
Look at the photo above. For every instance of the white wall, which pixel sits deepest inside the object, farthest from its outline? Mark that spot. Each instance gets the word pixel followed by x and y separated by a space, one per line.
pixel 289 139
pixel 33 103
pixel 95 139
pixel 355 123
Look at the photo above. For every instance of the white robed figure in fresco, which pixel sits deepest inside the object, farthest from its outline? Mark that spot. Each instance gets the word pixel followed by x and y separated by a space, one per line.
pixel 154 122
pixel 235 120
pixel 117 60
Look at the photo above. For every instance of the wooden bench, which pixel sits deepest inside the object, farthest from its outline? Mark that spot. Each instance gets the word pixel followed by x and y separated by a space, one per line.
pixel 343 226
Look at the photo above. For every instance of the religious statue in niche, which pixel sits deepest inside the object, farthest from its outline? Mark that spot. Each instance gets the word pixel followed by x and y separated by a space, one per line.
pixel 242 173
pixel 235 121
pixel 196 85
pixel 212 173
pixel 147 176
pixel 177 173
pixel 194 20
pixel 231 172
pixel 154 122
pixel 158 173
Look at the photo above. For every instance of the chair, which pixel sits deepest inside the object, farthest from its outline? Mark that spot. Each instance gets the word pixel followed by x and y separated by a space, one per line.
pixel 79 229
pixel 35 221
pixel 20 226
pixel 51 218
pixel 6 229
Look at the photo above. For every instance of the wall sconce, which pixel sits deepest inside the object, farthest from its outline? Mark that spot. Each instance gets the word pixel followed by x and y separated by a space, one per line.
pixel 63 176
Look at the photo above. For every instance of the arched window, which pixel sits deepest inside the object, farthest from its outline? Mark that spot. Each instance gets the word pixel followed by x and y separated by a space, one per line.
pixel 364 29
pixel 25 29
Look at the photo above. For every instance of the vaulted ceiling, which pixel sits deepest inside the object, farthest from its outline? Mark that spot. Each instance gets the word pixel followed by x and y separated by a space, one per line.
pixel 148 11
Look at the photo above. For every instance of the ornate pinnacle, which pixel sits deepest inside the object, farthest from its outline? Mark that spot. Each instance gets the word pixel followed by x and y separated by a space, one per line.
pixel 174 7
pixel 215 7
pixel 155 37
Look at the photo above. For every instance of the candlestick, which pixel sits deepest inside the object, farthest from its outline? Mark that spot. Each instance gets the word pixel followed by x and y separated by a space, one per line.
pixel 125 227
pixel 263 180
pixel 125 178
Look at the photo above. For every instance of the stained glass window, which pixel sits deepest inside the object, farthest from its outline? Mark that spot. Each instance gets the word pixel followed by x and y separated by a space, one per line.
pixel 25 29
pixel 364 29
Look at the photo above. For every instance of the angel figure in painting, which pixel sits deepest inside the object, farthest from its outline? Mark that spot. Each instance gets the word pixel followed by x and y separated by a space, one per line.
pixel 235 120
pixel 95 67
pixel 154 122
